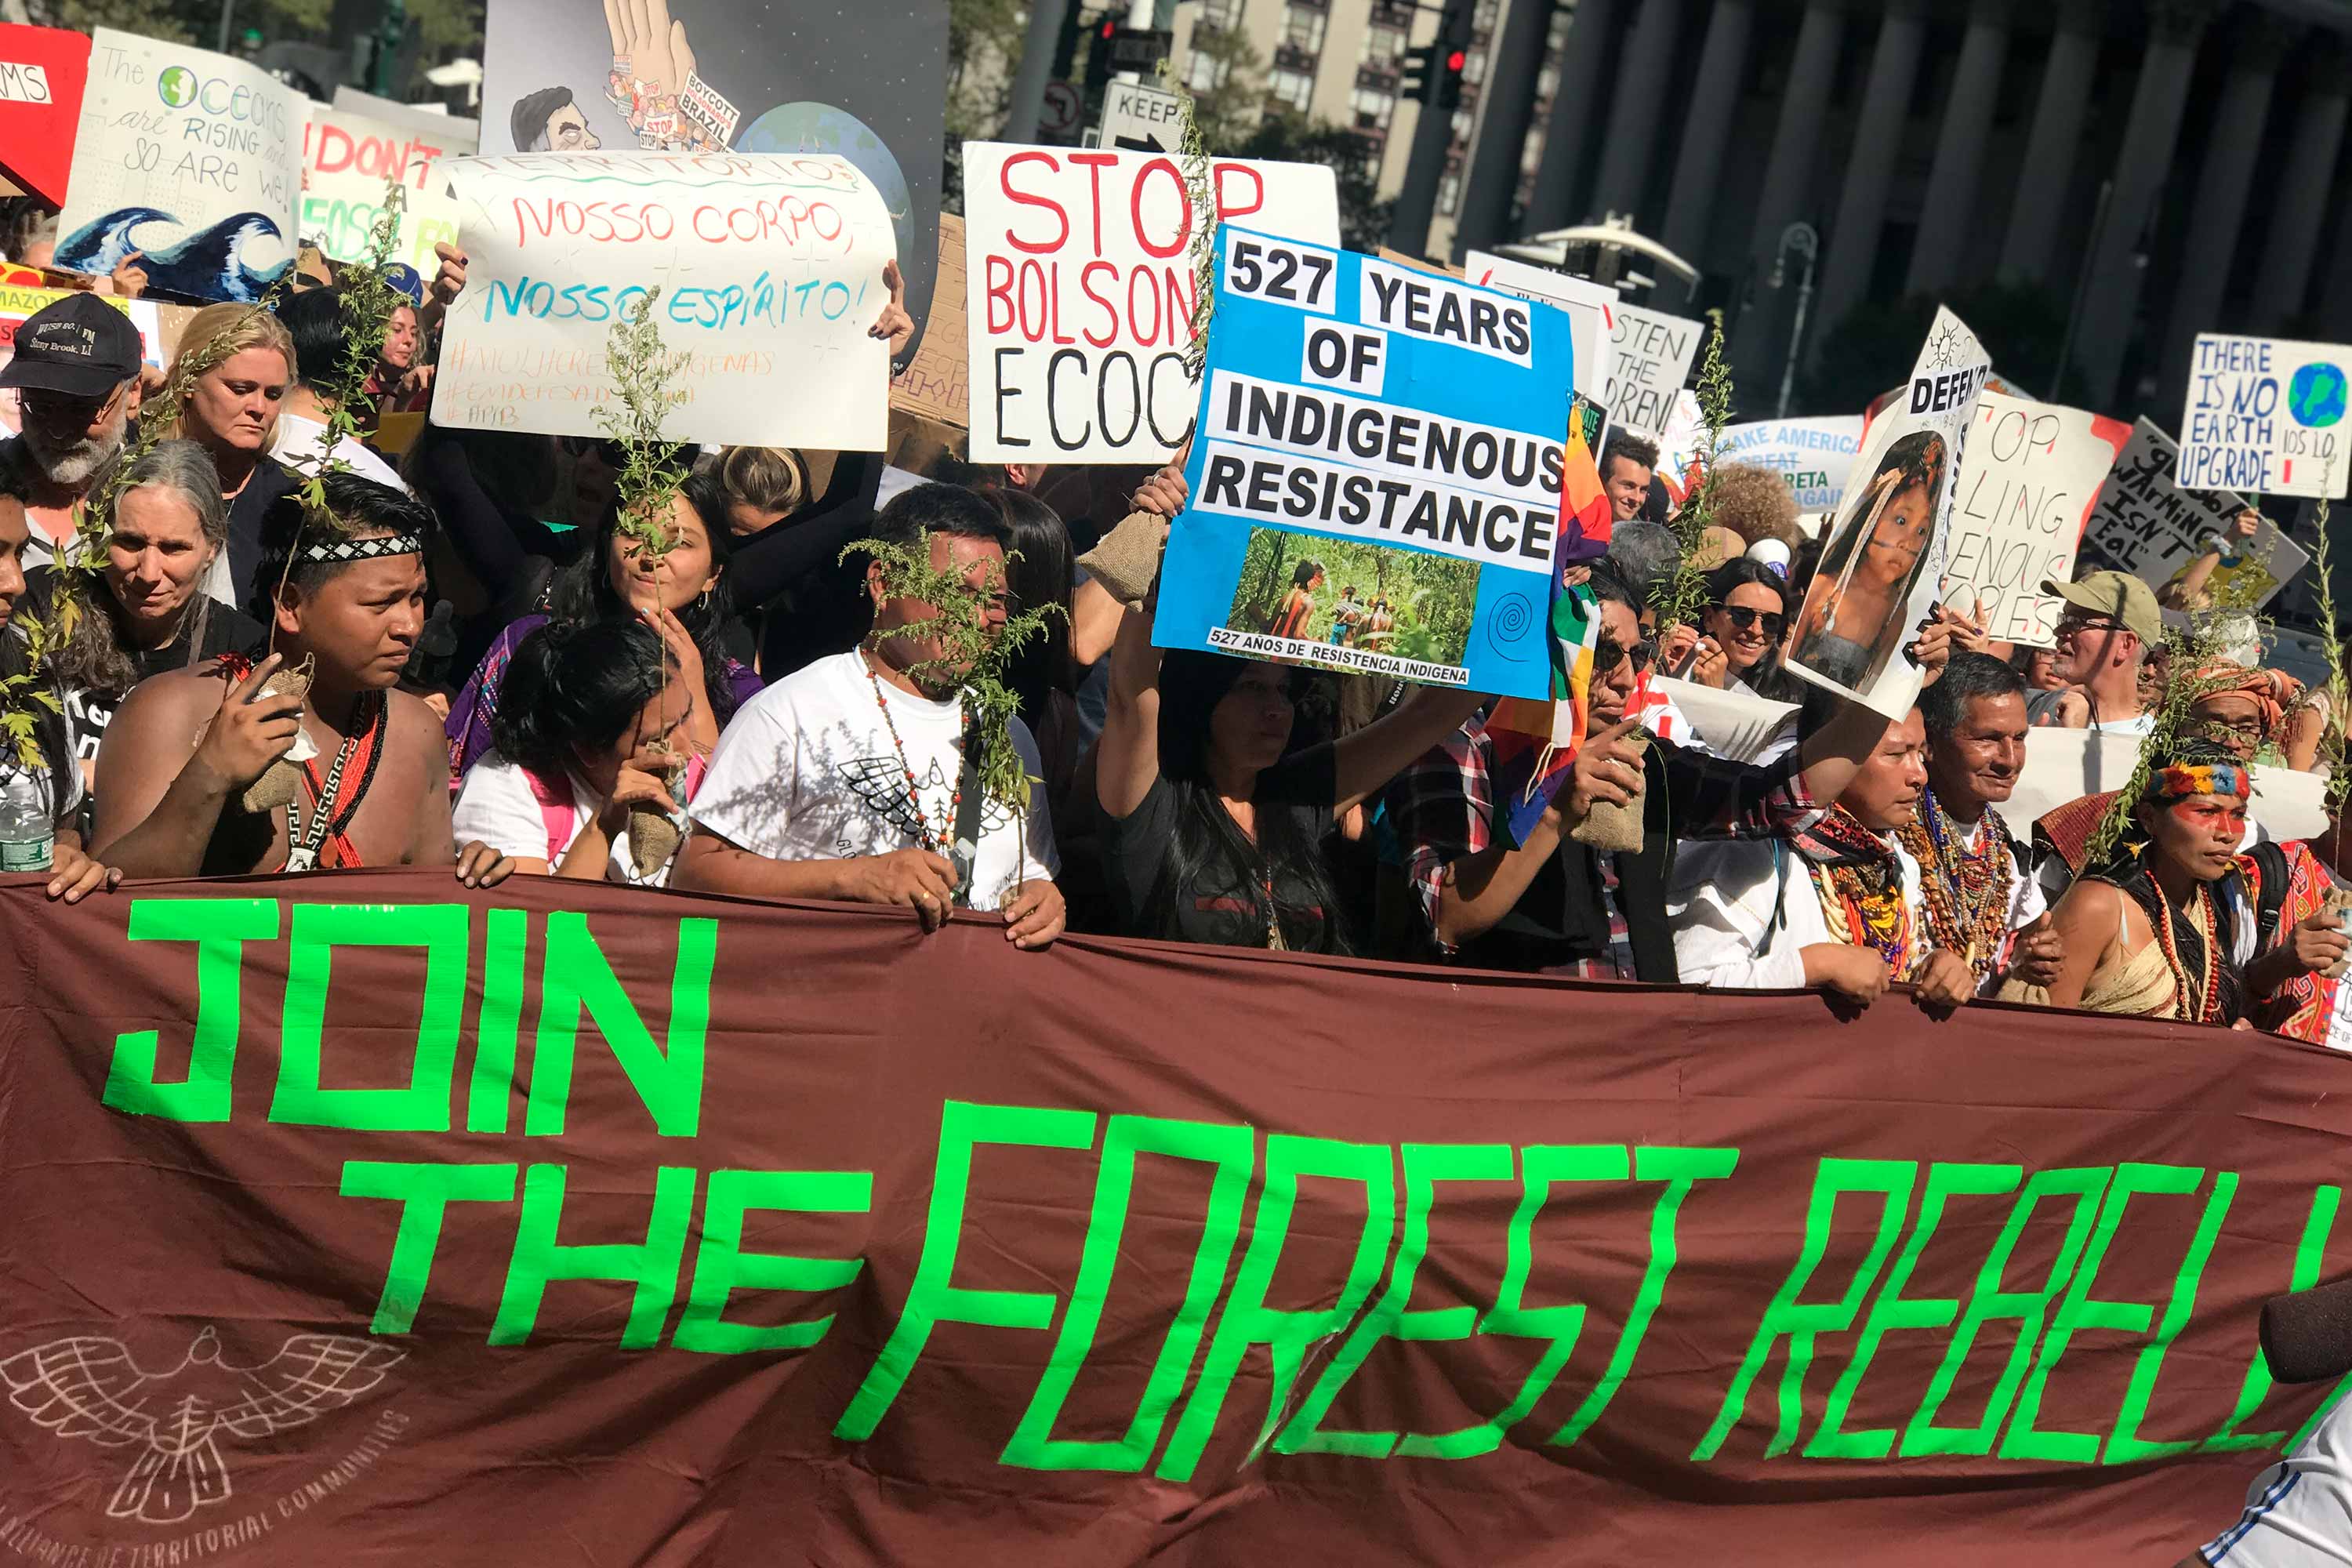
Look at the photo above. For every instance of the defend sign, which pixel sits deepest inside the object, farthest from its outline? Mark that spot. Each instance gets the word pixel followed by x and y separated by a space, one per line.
pixel 2265 414
pixel 1377 483
pixel 1080 291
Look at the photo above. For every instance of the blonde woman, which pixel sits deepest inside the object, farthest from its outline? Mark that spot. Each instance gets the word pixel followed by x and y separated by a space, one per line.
pixel 231 412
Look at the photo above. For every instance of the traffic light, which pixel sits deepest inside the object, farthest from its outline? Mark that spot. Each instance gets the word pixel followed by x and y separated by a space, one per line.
pixel 1099 66
pixel 1433 73
pixel 1420 66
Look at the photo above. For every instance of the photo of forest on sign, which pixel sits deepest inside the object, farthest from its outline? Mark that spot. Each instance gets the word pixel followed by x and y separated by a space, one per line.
pixel 1407 603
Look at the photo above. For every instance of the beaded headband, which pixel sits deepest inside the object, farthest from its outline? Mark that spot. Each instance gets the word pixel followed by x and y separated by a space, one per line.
pixel 2180 781
pixel 340 551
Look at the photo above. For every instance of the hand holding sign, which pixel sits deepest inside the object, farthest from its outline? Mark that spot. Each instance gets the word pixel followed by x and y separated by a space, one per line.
pixel 651 61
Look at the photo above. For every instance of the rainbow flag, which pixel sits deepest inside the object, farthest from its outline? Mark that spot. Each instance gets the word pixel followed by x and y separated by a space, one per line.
pixel 1535 742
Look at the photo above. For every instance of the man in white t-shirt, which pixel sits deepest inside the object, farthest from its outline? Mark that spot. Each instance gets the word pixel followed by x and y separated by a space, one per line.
pixel 843 780
pixel 314 318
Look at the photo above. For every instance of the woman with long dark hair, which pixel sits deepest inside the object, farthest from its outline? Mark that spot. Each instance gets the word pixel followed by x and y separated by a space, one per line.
pixel 1214 825
pixel 587 744
pixel 1746 618
pixel 681 592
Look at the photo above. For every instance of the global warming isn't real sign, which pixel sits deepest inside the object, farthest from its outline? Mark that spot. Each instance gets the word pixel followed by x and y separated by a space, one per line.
pixel 2266 416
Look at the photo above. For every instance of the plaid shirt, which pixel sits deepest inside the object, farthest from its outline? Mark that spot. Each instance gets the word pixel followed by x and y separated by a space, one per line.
pixel 1443 807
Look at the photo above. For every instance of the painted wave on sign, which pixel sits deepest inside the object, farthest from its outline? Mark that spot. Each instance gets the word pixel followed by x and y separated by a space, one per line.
pixel 209 263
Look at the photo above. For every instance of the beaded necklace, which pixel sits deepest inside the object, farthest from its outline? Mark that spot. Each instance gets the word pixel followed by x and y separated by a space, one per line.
pixel 935 841
pixel 1967 890
pixel 2210 1003
pixel 1866 907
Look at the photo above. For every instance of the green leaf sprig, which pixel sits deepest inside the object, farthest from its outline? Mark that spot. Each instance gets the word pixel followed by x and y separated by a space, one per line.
pixel 649 479
pixel 1682 593
pixel 1200 190
pixel 970 657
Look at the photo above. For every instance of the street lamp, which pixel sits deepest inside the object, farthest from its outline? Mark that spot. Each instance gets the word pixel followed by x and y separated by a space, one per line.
pixel 1801 239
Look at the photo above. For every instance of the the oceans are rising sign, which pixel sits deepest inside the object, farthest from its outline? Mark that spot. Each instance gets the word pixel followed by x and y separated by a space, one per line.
pixel 349 159
pixel 2030 483
pixel 1080 292
pixel 769 272
pixel 1376 484
pixel 193 159
pixel 2265 414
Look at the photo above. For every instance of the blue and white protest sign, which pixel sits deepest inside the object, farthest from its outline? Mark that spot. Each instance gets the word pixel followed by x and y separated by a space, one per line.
pixel 2265 414
pixel 1376 476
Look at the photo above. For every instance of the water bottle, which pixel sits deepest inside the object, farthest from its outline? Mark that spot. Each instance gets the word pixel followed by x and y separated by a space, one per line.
pixel 27 834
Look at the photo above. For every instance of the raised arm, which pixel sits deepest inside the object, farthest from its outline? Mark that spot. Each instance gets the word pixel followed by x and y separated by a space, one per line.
pixel 772 560
pixel 1127 759
pixel 1366 760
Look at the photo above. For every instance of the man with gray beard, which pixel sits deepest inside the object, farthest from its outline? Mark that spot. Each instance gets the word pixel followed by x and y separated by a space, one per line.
pixel 76 371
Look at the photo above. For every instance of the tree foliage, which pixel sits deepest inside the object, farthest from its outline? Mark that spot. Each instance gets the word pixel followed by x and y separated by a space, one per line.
pixel 1430 598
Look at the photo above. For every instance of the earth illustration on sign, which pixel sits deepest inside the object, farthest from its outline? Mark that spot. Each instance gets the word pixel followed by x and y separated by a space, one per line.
pixel 822 128
pixel 176 86
pixel 2316 395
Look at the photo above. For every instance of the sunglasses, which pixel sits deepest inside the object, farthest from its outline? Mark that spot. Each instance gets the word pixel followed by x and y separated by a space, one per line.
pixel 1606 653
pixel 1744 619
pixel 2069 626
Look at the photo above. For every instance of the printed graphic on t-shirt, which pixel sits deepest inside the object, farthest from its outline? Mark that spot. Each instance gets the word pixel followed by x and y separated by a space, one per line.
pixel 878 784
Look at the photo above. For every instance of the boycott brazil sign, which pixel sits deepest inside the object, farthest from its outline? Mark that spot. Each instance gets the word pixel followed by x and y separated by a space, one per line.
pixel 347 1212
pixel 1376 481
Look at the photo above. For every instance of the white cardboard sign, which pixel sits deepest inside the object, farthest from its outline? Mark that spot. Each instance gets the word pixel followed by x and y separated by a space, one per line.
pixel 193 159
pixel 347 159
pixel 1587 305
pixel 1079 291
pixel 1650 358
pixel 2266 414
pixel 2028 485
pixel 769 269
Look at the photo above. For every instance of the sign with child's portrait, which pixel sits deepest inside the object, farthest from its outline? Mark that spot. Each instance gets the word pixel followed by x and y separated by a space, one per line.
pixel 1883 563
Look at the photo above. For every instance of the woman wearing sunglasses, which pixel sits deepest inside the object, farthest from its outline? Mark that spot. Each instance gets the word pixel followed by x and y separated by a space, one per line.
pixel 1745 616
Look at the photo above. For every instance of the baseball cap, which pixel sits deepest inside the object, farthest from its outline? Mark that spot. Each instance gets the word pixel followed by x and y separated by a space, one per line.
pixel 2120 597
pixel 79 345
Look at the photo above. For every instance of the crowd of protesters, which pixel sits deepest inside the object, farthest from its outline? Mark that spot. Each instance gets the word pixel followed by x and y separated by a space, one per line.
pixel 717 700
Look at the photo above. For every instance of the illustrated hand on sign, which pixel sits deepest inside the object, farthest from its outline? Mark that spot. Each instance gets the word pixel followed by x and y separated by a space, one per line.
pixel 895 326
pixel 651 62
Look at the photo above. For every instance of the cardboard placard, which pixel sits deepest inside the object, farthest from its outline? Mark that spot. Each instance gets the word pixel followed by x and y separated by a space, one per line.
pixel 2266 414
pixel 194 160
pixel 2031 482
pixel 1079 292
pixel 770 271
pixel 1884 564
pixel 1377 481
pixel 348 161
pixel 42 74
pixel 2148 526
pixel 1650 359
pixel 937 384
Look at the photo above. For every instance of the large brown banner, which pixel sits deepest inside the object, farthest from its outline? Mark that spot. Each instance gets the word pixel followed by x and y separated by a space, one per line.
pixel 358 1220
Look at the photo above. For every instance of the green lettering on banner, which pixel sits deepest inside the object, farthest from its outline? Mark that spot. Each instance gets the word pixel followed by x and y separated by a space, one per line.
pixel 1800 1322
pixel 445 932
pixel 540 1260
pixel 2125 1443
pixel 1232 1149
pixel 1988 1300
pixel 500 1021
pixel 1425 1166
pixel 933 1297
pixel 2310 1254
pixel 220 928
pixel 2078 1310
pixel 424 1194
pixel 1680 1169
pixel 575 975
pixel 1285 1332
pixel 1890 1311
pixel 722 1265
